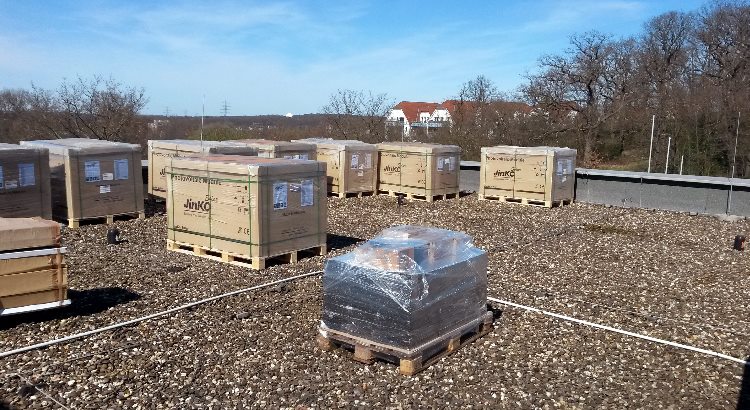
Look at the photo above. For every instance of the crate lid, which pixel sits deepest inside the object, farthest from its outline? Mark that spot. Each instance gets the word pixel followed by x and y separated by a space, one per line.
pixel 68 146
pixel 24 233
pixel 272 145
pixel 420 147
pixel 542 150
pixel 252 166
pixel 15 147
pixel 331 143
pixel 218 147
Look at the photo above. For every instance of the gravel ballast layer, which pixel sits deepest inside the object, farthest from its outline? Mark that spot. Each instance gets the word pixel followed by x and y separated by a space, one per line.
pixel 667 275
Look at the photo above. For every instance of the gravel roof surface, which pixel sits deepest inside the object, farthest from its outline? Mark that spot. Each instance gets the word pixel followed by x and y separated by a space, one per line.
pixel 667 275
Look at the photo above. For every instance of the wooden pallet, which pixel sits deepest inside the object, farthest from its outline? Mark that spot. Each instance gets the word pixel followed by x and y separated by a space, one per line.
pixel 253 262
pixel 526 201
pixel 108 219
pixel 352 194
pixel 411 361
pixel 415 197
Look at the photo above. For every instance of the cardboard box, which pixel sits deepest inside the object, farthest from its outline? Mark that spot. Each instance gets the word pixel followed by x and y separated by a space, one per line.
pixel 352 166
pixel 93 178
pixel 59 294
pixel 24 233
pixel 247 206
pixel 280 149
pixel 418 168
pixel 537 173
pixel 159 153
pixel 24 182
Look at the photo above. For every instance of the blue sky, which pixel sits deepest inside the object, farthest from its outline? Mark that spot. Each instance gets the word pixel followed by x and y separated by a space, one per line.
pixel 276 57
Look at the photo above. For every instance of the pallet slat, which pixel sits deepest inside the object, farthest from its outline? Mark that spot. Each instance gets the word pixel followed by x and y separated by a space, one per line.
pixel 426 198
pixel 108 219
pixel 253 262
pixel 526 201
pixel 413 361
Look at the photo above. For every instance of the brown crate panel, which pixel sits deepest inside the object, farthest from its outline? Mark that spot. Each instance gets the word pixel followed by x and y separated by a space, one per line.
pixel 36 298
pixel 34 281
pixel 410 363
pixel 417 197
pixel 526 201
pixel 352 194
pixel 108 219
pixel 253 262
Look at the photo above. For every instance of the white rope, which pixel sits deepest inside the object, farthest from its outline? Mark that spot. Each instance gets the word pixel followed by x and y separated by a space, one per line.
pixel 620 331
pixel 149 317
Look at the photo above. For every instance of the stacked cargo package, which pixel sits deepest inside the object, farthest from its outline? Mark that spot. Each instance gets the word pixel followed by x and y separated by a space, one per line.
pixel 280 149
pixel 160 152
pixel 24 182
pixel 419 170
pixel 352 165
pixel 410 292
pixel 33 273
pixel 93 179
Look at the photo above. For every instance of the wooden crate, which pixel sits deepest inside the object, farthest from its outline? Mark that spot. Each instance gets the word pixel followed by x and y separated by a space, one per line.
pixel 159 153
pixel 24 182
pixel 410 361
pixel 280 149
pixel 246 207
pixel 419 170
pixel 352 166
pixel 93 179
pixel 33 278
pixel 543 176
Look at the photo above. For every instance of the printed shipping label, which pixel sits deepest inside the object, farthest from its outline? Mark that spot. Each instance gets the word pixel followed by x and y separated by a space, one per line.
pixel 306 197
pixel 2 184
pixel 452 163
pixel 280 194
pixel 105 189
pixel 11 184
pixel 440 163
pixel 26 175
pixel 368 161
pixel 108 176
pixel 303 156
pixel 91 171
pixel 355 161
pixel 121 169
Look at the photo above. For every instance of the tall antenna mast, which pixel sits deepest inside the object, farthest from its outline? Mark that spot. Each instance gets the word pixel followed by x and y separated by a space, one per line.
pixel 225 108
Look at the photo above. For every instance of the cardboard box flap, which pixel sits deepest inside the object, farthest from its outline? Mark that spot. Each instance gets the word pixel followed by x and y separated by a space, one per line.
pixel 22 233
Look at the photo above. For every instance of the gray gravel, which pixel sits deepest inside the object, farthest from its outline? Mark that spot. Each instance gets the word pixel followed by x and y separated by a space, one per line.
pixel 669 275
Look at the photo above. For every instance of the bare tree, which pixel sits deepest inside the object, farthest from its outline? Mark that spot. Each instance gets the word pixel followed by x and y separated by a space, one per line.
pixel 358 115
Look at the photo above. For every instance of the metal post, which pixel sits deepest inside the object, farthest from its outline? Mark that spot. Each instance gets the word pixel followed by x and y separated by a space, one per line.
pixel 682 161
pixel 734 162
pixel 651 146
pixel 669 145
pixel 203 114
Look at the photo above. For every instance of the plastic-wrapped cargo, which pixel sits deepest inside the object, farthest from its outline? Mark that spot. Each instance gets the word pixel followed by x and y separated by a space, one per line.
pixel 419 169
pixel 352 165
pixel 280 149
pixel 406 287
pixel 536 175
pixel 24 182
pixel 93 178
pixel 160 151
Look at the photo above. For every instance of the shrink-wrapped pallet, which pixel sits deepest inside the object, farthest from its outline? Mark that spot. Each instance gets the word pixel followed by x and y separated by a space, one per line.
pixel 406 287
pixel 24 182
pixel 160 152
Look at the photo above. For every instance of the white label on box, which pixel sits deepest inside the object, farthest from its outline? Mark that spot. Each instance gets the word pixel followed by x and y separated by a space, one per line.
pixel 288 157
pixel 108 176
pixel 91 171
pixel 570 167
pixel 26 175
pixel 105 189
pixel 280 195
pixel 361 173
pixel 121 169
pixel 453 163
pixel 306 197
pixel 2 184
pixel 355 161
pixel 302 156
pixel 440 163
pixel 368 161
pixel 11 184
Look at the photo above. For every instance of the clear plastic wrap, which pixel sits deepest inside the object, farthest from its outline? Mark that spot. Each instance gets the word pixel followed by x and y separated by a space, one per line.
pixel 406 286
